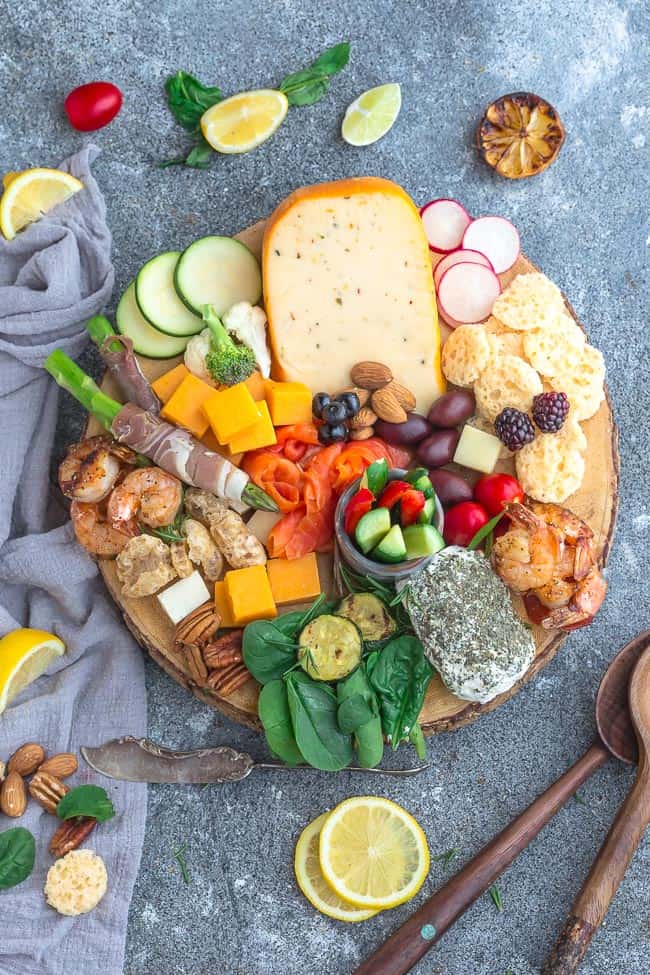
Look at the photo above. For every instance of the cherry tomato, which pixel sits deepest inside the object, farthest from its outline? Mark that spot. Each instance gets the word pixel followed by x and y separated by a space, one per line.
pixel 93 106
pixel 410 505
pixel 358 505
pixel 463 521
pixel 493 491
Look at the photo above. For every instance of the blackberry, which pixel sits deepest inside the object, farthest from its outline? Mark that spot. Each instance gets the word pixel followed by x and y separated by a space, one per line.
pixel 514 428
pixel 550 411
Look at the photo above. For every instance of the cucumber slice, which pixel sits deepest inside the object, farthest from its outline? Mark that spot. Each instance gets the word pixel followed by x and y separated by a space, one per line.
pixel 157 298
pixel 371 528
pixel 218 271
pixel 422 540
pixel 146 339
pixel 392 547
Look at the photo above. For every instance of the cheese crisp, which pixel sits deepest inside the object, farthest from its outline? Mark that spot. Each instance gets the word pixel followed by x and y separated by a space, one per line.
pixel 465 354
pixel 529 301
pixel 507 381
pixel 76 883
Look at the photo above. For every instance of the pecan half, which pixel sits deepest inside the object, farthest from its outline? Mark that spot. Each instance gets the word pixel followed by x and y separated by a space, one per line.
pixel 71 834
pixel 196 664
pixel 364 418
pixel 224 651
pixel 47 790
pixel 225 682
pixel 197 627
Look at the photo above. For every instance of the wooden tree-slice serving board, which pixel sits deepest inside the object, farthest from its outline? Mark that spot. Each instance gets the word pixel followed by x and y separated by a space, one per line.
pixel 596 502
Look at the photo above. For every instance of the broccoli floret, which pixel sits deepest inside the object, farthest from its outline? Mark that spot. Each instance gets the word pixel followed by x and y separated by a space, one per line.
pixel 227 362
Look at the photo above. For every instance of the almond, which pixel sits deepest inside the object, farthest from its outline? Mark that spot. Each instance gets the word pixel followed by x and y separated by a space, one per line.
pixel 363 395
pixel 26 759
pixel 13 796
pixel 371 375
pixel 363 433
pixel 364 418
pixel 3 772
pixel 61 765
pixel 387 407
pixel 404 396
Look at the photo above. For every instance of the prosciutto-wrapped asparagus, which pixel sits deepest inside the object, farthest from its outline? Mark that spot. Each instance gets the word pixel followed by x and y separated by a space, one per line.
pixel 170 447
pixel 117 352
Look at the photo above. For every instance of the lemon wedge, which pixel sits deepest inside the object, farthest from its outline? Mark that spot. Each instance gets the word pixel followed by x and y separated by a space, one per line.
pixel 32 193
pixel 243 122
pixel 313 884
pixel 371 115
pixel 24 655
pixel 373 854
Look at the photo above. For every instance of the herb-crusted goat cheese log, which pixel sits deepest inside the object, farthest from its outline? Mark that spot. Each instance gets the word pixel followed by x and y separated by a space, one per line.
pixel 463 615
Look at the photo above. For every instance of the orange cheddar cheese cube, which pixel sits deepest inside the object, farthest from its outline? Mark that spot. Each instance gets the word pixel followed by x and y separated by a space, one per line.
pixel 185 406
pixel 288 403
pixel 249 595
pixel 256 384
pixel 210 441
pixel 261 434
pixel 294 580
pixel 169 382
pixel 230 412
pixel 222 605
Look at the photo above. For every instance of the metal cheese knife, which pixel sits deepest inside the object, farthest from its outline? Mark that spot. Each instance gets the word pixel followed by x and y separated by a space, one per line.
pixel 143 760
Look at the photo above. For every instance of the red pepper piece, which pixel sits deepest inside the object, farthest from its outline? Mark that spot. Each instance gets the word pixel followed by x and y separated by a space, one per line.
pixel 393 493
pixel 358 505
pixel 411 504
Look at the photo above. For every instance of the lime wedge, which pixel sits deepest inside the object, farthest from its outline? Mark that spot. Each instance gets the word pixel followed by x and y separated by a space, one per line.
pixel 371 115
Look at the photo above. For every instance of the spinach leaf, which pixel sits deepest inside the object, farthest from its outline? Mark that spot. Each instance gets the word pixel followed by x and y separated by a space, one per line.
pixel 354 712
pixel 309 85
pixel 273 710
pixel 199 157
pixel 86 800
pixel 356 701
pixel 312 705
pixel 188 99
pixel 17 854
pixel 400 679
pixel 267 651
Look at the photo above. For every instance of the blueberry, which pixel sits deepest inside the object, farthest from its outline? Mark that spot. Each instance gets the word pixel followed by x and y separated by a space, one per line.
pixel 338 433
pixel 351 403
pixel 335 412
pixel 319 401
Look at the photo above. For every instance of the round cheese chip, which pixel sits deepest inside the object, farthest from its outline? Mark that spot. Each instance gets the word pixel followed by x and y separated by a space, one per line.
pixel 583 382
pixel 507 343
pixel 530 301
pixel 507 381
pixel 76 883
pixel 465 354
pixel 573 435
pixel 493 326
pixel 555 348
pixel 549 468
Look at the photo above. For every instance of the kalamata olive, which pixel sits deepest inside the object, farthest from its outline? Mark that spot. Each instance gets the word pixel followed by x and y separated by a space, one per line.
pixel 438 449
pixel 450 488
pixel 413 430
pixel 452 408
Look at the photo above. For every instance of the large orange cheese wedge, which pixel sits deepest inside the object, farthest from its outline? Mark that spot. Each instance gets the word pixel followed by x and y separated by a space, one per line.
pixel 347 278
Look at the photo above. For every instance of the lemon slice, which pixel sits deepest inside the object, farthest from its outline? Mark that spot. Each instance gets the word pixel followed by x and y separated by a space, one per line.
pixel 313 884
pixel 371 115
pixel 24 655
pixel 373 854
pixel 243 122
pixel 29 195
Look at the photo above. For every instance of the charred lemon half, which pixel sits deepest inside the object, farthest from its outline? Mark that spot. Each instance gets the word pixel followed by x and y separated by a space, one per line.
pixel 520 135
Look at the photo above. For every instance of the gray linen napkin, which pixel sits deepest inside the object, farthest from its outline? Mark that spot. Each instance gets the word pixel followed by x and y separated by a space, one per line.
pixel 53 277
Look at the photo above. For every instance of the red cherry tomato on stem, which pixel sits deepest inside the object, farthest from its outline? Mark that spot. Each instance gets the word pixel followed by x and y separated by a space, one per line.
pixel 463 521
pixel 358 505
pixel 93 106
pixel 493 491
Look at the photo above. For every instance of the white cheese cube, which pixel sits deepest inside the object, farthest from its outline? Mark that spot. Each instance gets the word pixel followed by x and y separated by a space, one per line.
pixel 184 597
pixel 478 450
pixel 262 523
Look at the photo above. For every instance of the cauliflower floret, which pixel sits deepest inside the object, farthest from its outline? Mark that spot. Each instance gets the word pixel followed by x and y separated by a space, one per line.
pixel 248 323
pixel 195 353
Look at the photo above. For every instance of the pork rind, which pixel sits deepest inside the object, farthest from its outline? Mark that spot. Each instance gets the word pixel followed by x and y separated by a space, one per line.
pixel 550 468
pixel 508 381
pixel 583 382
pixel 76 883
pixel 530 301
pixel 465 354
pixel 555 348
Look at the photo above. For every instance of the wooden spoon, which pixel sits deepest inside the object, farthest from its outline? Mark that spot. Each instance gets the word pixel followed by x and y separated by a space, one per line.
pixel 632 820
pixel 424 928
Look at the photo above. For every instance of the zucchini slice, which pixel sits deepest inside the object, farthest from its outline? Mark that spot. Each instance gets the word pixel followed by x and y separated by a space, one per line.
pixel 146 340
pixel 369 614
pixel 218 271
pixel 330 647
pixel 157 298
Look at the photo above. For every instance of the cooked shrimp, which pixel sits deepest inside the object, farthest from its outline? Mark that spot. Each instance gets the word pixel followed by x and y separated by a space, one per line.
pixel 90 469
pixel 93 530
pixel 148 495
pixel 573 531
pixel 584 603
pixel 527 555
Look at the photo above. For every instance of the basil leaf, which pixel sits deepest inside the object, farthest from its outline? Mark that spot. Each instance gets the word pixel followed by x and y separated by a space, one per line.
pixel 313 706
pixel 273 711
pixel 200 156
pixel 309 85
pixel 17 854
pixel 486 530
pixel 188 99
pixel 400 679
pixel 354 712
pixel 268 652
pixel 86 800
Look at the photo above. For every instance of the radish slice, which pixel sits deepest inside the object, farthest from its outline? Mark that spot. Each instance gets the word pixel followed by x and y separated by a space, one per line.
pixel 451 322
pixel 459 256
pixel 495 237
pixel 467 292
pixel 445 222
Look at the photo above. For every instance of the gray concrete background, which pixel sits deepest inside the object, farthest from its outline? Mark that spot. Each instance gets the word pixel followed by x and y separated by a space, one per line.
pixel 585 222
